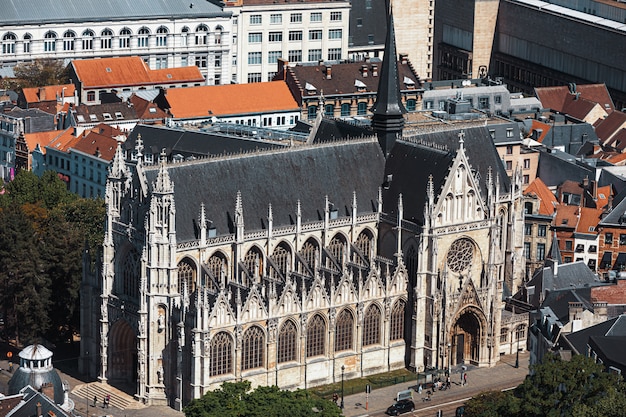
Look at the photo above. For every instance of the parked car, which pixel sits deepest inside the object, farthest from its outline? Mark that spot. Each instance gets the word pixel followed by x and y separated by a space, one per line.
pixel 401 407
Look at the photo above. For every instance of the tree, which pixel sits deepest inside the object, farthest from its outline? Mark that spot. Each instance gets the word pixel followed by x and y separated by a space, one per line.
pixel 557 387
pixel 236 400
pixel 492 404
pixel 41 72
pixel 25 289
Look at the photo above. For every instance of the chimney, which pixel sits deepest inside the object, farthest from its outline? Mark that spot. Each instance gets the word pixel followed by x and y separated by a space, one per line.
pixel 98 153
pixel 282 66
pixel 374 70
pixel 364 70
pixel 329 74
pixel 42 94
pixel 404 59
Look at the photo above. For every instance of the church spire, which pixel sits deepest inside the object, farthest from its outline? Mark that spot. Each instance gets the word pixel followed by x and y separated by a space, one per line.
pixel 388 121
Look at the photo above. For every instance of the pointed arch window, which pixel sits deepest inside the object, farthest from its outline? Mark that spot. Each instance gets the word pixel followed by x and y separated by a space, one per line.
pixel 397 320
pixel 316 337
pixel 287 342
pixel 218 267
pixel 344 331
pixel 371 326
pixel 221 354
pixel 253 261
pixel 130 275
pixel 364 245
pixel 336 247
pixel 309 253
pixel 281 258
pixel 186 277
pixel 253 348
pixel 411 264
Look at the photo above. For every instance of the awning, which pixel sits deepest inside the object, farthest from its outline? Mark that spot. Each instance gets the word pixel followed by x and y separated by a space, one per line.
pixel 621 259
pixel 606 259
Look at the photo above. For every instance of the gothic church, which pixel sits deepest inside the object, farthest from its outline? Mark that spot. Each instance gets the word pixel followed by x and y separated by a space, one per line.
pixel 290 266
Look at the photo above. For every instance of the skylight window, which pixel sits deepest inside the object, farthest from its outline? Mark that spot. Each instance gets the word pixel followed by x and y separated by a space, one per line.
pixel 119 115
pixel 108 69
pixel 152 110
pixel 93 117
pixel 80 118
pixel 107 116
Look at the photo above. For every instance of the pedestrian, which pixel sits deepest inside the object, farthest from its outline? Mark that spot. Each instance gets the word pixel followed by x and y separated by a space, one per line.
pixel 462 378
pixel 335 398
pixel 104 401
pixel 465 379
pixel 448 382
pixel 108 400
pixel 419 389
pixel 95 400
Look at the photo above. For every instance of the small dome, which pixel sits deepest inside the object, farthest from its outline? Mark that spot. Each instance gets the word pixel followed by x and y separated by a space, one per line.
pixel 37 371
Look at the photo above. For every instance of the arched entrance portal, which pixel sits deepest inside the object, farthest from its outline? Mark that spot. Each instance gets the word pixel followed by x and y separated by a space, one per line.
pixel 466 335
pixel 122 355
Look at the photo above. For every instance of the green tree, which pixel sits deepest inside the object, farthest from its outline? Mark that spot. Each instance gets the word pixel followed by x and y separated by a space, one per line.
pixel 493 404
pixel 42 72
pixel 236 400
pixel 25 288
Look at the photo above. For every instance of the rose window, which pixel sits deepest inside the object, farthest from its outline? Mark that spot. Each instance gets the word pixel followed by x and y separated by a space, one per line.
pixel 460 255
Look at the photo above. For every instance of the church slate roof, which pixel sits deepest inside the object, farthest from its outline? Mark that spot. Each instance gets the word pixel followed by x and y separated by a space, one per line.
pixel 330 130
pixel 411 162
pixel 191 143
pixel 279 178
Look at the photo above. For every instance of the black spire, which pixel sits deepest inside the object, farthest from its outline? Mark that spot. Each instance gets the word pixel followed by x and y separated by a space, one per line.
pixel 388 109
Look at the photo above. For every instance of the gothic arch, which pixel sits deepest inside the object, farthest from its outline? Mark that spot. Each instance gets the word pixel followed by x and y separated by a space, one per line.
pixel 253 262
pixel 337 247
pixel 253 348
pixel 129 273
pixel 187 275
pixel 216 274
pixel 372 325
pixel 344 330
pixel 222 351
pixel 364 243
pixel 310 254
pixel 397 320
pixel 410 260
pixel 122 353
pixel 287 343
pixel 282 258
pixel 316 336
pixel 467 335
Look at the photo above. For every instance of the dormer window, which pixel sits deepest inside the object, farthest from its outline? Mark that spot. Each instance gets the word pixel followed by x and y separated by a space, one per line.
pixel 360 86
pixel 107 116
pixel 119 115
pixel 310 89
pixel 93 117
pixel 409 83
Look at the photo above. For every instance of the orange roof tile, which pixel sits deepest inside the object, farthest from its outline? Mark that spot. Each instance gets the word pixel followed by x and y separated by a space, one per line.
pixel 168 75
pixel 544 127
pixel 64 141
pixel 48 93
pixel 40 138
pixel 132 70
pixel 603 195
pixel 588 220
pixel 566 216
pixel 548 201
pixel 231 99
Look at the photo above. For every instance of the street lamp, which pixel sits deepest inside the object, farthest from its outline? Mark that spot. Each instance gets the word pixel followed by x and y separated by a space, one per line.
pixel 517 350
pixel 343 368
pixel 449 357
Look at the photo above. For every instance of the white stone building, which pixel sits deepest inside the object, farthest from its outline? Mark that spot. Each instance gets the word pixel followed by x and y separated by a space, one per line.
pixel 173 33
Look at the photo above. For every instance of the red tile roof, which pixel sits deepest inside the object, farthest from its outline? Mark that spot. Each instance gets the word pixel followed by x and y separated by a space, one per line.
pixel 588 220
pixel 95 143
pixel 566 216
pixel 231 99
pixel 547 200
pixel 41 138
pixel 555 97
pixel 544 127
pixel 129 71
pixel 64 141
pixel 608 127
pixel 48 93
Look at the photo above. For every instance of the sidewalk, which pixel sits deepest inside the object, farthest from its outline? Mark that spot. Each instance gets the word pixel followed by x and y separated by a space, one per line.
pixel 503 375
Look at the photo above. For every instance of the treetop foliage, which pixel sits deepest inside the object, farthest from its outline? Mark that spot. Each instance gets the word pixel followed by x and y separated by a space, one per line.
pixel 556 388
pixel 43 230
pixel 236 399
pixel 41 72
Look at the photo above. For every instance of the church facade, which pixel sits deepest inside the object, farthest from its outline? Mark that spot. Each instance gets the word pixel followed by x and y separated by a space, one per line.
pixel 300 265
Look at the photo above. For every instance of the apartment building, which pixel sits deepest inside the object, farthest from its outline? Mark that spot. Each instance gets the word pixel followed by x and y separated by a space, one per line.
pixel 303 31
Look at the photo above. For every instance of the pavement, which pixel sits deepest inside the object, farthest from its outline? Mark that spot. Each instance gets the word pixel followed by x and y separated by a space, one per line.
pixel 503 375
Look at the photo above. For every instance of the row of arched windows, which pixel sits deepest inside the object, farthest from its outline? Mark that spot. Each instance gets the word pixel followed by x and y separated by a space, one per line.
pixel 253 348
pixel 125 39
pixel 216 269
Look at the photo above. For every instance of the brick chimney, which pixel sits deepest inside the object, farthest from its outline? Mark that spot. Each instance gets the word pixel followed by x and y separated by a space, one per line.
pixel 42 94
pixel 329 72
pixel 364 70
pixel 374 70
pixel 404 59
